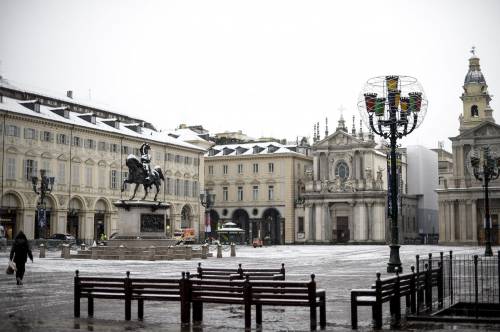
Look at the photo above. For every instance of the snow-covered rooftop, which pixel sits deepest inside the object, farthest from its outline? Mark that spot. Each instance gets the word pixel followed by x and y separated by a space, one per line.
pixel 13 105
pixel 246 149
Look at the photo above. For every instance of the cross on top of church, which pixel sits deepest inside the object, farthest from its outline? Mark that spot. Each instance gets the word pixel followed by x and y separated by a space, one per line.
pixel 341 109
pixel 473 50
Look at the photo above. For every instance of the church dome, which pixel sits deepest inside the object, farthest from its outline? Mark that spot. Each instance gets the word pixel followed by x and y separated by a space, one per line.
pixel 474 75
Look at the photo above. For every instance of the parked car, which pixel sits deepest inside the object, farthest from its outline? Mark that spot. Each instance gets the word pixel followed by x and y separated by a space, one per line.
pixel 63 237
pixel 3 239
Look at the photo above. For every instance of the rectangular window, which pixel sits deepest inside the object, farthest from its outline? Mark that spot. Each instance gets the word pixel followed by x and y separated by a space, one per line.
pixel 30 169
pixel 46 136
pixel 210 170
pixel 125 149
pixel 240 193
pixel 271 167
pixel 187 160
pixel 256 168
pixel 240 168
pixel 158 156
pixel 186 188
pixel 62 139
pixel 301 225
pixel 46 167
pixel 11 168
pixel 61 172
pixel 30 133
pixel 12 131
pixel 125 176
pixel 89 144
pixel 177 158
pixel 113 147
pixel 224 169
pixel 77 141
pixel 75 174
pixel 177 188
pixel 102 177
pixel 114 179
pixel 195 188
pixel 225 194
pixel 102 146
pixel 88 177
pixel 270 193
pixel 255 193
pixel 168 186
pixel 169 157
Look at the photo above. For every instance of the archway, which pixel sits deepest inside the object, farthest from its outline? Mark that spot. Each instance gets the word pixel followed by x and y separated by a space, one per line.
pixel 9 209
pixel 270 226
pixel 186 217
pixel 101 209
pixel 241 219
pixel 75 207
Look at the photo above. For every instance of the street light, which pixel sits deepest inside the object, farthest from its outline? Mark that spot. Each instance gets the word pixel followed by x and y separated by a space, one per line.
pixel 46 186
pixel 485 165
pixel 395 106
pixel 207 200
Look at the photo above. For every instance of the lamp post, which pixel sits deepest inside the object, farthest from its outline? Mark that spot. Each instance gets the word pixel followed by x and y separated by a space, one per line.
pixel 485 167
pixel 207 200
pixel 395 106
pixel 46 186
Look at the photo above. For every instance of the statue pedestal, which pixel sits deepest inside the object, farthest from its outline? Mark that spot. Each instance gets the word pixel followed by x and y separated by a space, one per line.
pixel 141 224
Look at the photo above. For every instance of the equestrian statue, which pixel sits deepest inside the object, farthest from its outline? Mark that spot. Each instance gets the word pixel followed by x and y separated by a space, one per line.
pixel 140 172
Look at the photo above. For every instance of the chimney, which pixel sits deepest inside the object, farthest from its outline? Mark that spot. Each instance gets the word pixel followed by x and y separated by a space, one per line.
pixel 69 94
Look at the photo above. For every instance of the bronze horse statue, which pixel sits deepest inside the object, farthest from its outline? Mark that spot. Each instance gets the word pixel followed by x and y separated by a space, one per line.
pixel 139 175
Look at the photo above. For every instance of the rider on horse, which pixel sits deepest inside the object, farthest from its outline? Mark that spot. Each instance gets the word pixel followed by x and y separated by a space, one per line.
pixel 146 160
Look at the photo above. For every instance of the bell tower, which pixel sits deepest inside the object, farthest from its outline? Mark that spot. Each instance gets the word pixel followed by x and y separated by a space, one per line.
pixel 475 98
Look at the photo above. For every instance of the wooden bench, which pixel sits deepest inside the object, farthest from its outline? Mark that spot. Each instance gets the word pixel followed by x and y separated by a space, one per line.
pixel 240 273
pixel 128 289
pixel 289 293
pixel 256 292
pixel 391 290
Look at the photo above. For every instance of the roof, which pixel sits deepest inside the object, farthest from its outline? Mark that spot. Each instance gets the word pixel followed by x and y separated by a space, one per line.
pixel 247 149
pixel 13 106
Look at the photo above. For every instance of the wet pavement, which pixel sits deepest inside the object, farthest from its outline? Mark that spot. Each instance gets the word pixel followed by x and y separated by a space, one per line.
pixel 45 301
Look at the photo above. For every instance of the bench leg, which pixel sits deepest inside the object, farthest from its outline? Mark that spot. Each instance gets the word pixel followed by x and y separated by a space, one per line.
pixel 90 307
pixel 140 309
pixel 322 313
pixel 354 312
pixel 128 309
pixel 76 309
pixel 377 315
pixel 248 316
pixel 312 314
pixel 185 312
pixel 197 312
pixel 258 315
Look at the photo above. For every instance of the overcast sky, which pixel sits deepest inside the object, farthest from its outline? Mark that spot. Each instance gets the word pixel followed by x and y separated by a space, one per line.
pixel 268 68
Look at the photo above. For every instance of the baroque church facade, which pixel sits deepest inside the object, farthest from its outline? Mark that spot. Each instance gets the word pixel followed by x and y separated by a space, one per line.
pixel 461 196
pixel 344 199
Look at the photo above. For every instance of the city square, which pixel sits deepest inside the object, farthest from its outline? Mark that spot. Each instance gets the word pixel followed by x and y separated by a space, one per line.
pixel 223 165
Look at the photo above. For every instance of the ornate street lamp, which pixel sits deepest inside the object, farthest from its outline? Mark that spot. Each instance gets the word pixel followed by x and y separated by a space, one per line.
pixel 393 106
pixel 485 165
pixel 207 200
pixel 46 186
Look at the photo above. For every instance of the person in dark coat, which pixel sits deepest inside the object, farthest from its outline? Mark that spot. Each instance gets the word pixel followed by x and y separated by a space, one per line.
pixel 20 252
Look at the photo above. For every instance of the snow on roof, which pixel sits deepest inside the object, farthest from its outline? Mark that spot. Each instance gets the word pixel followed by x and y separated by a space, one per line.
pixel 247 149
pixel 12 105
pixel 186 134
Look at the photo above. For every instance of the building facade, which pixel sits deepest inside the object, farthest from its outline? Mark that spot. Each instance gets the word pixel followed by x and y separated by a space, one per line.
pixel 461 196
pixel 84 147
pixel 256 186
pixel 346 192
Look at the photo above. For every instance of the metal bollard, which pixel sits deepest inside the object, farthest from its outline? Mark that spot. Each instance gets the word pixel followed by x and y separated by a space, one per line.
pixel 219 251
pixel 94 253
pixel 65 252
pixel 42 251
pixel 189 252
pixel 233 250
pixel 170 253
pixel 83 247
pixel 152 253
pixel 121 252
pixel 204 251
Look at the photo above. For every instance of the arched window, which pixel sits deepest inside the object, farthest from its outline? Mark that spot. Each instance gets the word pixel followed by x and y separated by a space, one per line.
pixel 342 170
pixel 474 112
pixel 186 217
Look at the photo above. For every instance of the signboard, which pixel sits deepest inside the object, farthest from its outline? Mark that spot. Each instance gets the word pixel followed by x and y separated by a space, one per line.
pixel 152 223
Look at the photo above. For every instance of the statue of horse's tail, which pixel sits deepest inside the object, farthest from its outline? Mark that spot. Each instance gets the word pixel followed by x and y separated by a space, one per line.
pixel 160 173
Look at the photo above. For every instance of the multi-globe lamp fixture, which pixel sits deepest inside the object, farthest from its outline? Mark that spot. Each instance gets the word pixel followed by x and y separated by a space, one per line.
pixel 393 106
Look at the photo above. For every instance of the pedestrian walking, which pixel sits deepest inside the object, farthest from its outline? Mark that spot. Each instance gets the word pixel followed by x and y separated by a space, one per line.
pixel 19 253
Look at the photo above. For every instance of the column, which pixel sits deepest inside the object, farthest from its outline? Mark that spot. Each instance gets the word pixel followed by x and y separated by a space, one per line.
pixel 307 221
pixel 362 221
pixel 86 220
pixel 28 226
pixel 442 221
pixel 474 221
pixel 462 217
pixel 452 221
pixel 319 221
pixel 352 227
pixel 369 221
pixel 327 222
pixel 61 221
pixel 316 167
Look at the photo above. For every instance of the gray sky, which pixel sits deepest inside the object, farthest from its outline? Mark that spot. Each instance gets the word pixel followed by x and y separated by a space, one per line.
pixel 269 68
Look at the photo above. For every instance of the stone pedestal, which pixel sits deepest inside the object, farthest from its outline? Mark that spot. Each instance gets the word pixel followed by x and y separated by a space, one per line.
pixel 141 224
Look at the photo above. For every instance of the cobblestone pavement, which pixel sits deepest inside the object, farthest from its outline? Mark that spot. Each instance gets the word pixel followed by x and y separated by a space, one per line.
pixel 45 301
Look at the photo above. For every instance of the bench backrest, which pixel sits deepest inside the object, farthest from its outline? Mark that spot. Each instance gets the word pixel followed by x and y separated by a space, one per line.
pixel 240 273
pixel 275 291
